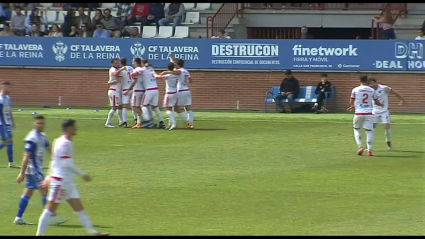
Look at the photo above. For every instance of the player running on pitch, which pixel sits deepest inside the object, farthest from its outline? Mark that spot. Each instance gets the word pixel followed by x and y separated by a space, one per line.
pixel 36 146
pixel 61 181
pixel 361 101
pixel 382 113
pixel 7 123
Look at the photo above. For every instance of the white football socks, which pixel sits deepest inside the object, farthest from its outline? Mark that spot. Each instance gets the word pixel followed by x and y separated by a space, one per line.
pixel 119 116
pixel 190 116
pixel 124 115
pixel 358 137
pixel 171 117
pixel 159 114
pixel 370 136
pixel 110 116
pixel 85 220
pixel 388 135
pixel 43 222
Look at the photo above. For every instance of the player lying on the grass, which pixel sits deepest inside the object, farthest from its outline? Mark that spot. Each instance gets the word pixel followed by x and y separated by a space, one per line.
pixel 61 181
pixel 382 113
pixel 36 146
pixel 7 123
pixel 361 101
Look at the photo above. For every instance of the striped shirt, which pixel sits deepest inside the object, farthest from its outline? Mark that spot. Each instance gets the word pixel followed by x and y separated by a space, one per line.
pixel 36 143
pixel 5 110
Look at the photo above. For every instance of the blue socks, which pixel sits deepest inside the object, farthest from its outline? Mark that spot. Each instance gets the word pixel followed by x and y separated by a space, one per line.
pixel 44 200
pixel 23 205
pixel 10 152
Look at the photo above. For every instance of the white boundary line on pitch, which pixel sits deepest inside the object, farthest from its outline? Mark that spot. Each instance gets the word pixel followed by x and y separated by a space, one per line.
pixel 227 120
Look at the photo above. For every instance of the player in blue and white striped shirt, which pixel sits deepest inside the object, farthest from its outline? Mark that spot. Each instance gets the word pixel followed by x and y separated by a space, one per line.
pixel 36 146
pixel 7 122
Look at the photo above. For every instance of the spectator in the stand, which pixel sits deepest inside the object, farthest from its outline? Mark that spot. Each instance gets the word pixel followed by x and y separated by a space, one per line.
pixel 101 32
pixel 18 22
pixel 134 32
pixel 69 20
pixel 322 89
pixel 97 19
pixel 84 31
pixel 305 34
pixel 34 18
pixel 386 21
pixel 140 11
pixel 2 14
pixel 35 32
pixel 82 19
pixel 173 14
pixel 7 32
pixel 221 35
pixel 289 89
pixel 112 24
pixel 55 31
pixel 124 12
pixel 156 13
pixel 74 31
pixel 420 35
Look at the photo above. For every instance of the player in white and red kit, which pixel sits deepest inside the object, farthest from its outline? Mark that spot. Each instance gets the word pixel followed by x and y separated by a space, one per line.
pixel 382 113
pixel 170 97
pixel 126 82
pixel 114 92
pixel 138 91
pixel 362 98
pixel 151 96
pixel 184 96
pixel 61 182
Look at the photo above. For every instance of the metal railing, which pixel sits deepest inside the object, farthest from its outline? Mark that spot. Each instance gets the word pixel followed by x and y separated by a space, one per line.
pixel 315 6
pixel 273 32
pixel 223 17
pixel 397 9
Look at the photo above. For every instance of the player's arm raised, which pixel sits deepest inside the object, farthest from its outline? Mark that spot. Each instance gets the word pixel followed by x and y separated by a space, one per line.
pixel 29 149
pixel 402 100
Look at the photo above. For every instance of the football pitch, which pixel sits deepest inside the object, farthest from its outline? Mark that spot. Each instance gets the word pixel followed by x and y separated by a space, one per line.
pixel 237 173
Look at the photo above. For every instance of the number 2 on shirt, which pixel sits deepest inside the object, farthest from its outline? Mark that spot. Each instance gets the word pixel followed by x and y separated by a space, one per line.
pixel 365 98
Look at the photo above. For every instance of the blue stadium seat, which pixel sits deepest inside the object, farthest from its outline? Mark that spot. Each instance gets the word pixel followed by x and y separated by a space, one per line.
pixel 306 95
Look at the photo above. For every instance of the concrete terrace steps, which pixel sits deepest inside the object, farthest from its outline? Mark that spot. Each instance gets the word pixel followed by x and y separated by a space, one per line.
pixel 406 27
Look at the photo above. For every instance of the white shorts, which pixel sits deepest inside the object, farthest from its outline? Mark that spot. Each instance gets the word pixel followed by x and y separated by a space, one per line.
pixel 136 99
pixel 114 98
pixel 170 100
pixel 184 98
pixel 125 99
pixel 60 191
pixel 363 121
pixel 151 97
pixel 384 117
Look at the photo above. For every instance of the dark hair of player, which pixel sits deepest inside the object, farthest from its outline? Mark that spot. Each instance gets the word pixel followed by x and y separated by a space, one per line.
pixel 170 66
pixel 179 62
pixel 363 79
pixel 372 79
pixel 324 75
pixel 288 73
pixel 115 59
pixel 6 83
pixel 123 61
pixel 138 61
pixel 39 117
pixel 66 124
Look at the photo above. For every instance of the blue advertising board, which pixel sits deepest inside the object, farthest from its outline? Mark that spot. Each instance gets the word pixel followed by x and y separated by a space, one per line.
pixel 331 55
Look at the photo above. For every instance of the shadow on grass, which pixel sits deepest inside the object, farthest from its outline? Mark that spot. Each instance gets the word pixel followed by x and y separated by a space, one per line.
pixel 78 226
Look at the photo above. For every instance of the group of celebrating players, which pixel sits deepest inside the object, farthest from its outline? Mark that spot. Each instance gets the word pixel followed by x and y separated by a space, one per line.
pixel 137 89
pixel 369 101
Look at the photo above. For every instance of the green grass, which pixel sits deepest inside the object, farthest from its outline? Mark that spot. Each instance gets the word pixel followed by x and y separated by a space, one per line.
pixel 235 174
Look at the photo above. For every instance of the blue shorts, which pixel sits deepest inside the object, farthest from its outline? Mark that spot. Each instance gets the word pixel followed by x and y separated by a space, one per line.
pixel 34 180
pixel 7 134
